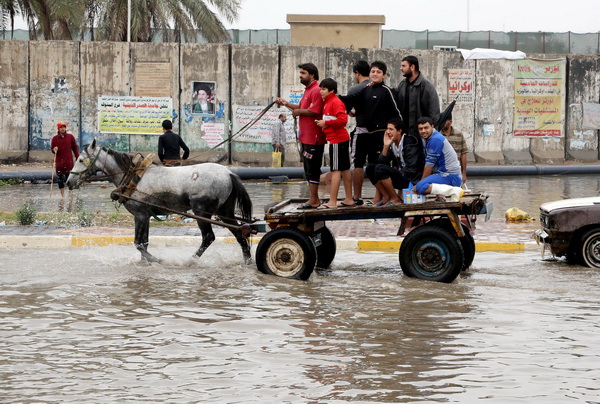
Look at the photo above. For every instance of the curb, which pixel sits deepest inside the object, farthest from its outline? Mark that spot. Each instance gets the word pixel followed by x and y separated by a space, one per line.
pixel 349 244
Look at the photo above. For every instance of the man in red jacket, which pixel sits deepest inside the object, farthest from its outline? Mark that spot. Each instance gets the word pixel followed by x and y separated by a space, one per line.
pixel 64 146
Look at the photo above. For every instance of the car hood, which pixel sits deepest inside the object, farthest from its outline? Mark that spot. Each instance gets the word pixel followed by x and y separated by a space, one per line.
pixel 570 203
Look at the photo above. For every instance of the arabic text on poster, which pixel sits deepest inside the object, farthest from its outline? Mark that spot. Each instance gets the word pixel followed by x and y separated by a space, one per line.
pixel 460 86
pixel 261 131
pixel 213 133
pixel 133 115
pixel 539 98
pixel 153 78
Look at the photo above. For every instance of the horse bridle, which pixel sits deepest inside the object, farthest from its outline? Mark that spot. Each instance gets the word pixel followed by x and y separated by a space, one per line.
pixel 89 164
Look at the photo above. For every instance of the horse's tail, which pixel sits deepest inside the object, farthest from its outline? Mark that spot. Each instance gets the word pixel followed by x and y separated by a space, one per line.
pixel 244 203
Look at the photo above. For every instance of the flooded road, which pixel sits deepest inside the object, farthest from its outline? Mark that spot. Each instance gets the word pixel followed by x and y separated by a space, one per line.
pixel 527 193
pixel 95 324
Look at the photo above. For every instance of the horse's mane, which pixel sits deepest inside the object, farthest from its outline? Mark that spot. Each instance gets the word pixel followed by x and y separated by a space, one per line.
pixel 122 159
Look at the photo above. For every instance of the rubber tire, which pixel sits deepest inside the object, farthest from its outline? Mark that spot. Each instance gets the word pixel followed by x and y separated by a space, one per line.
pixel 326 251
pixel 467 242
pixel 287 253
pixel 431 253
pixel 589 253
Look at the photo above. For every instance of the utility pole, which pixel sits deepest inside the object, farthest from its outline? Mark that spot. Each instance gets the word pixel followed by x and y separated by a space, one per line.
pixel 129 20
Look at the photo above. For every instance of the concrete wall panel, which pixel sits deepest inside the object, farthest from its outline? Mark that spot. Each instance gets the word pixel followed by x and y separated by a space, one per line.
pixel 463 114
pixel 54 92
pixel 339 67
pixel 254 73
pixel 204 62
pixel 105 70
pixel 155 52
pixel 14 98
pixel 494 112
pixel 583 83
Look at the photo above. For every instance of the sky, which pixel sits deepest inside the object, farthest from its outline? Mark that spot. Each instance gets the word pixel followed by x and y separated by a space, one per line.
pixel 579 16
pixel 435 15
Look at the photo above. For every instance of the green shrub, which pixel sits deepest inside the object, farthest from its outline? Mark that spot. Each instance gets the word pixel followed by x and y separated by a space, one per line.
pixel 86 219
pixel 12 181
pixel 26 215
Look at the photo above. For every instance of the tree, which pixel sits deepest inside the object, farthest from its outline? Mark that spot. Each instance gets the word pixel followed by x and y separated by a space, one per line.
pixel 107 19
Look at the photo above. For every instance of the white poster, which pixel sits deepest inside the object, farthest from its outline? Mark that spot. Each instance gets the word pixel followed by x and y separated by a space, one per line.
pixel 260 131
pixel 591 115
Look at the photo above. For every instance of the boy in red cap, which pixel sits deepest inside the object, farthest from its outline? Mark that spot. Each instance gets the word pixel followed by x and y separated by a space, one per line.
pixel 64 146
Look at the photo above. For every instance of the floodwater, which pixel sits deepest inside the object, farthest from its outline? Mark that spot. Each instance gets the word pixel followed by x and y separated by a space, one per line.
pixel 527 193
pixel 95 324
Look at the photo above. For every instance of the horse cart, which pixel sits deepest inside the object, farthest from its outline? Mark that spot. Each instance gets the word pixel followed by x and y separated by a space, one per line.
pixel 438 246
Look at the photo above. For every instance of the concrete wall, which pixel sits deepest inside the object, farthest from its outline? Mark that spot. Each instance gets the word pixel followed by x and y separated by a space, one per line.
pixel 14 99
pixel 254 75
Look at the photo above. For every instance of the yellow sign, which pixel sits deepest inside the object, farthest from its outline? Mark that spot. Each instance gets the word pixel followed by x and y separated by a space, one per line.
pixel 539 98
pixel 133 115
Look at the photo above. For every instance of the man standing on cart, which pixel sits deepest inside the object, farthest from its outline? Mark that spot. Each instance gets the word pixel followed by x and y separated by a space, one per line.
pixel 312 137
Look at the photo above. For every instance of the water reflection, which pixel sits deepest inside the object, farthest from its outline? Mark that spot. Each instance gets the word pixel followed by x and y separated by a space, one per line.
pixel 527 193
pixel 93 323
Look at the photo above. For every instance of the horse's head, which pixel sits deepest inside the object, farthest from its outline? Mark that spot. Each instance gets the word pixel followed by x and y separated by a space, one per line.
pixel 85 166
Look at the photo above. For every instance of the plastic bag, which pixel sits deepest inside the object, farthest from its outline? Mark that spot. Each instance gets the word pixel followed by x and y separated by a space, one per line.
pixel 276 159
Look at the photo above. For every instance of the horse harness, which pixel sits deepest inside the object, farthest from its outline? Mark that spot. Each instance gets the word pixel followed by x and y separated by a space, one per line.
pixel 128 185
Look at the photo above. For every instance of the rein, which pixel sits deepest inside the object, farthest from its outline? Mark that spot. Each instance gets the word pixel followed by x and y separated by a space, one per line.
pixel 239 132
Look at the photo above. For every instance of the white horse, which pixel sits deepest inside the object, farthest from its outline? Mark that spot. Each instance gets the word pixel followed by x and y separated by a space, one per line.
pixel 207 189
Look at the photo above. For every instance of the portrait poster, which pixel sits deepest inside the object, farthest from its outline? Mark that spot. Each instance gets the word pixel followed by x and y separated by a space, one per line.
pixel 539 98
pixel 203 97
pixel 133 115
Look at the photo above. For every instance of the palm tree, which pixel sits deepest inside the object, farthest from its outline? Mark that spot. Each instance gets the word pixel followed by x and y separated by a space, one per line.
pixel 186 18
pixel 107 19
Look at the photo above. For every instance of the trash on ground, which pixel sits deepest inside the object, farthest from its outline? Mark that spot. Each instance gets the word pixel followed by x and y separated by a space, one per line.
pixel 517 215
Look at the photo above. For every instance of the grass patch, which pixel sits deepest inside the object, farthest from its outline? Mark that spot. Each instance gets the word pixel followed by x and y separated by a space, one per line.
pixel 12 181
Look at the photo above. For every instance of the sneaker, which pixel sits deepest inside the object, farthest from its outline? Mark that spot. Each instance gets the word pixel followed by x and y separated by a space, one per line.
pixel 358 202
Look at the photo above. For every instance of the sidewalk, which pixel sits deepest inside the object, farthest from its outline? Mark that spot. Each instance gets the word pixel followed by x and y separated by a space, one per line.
pixel 358 235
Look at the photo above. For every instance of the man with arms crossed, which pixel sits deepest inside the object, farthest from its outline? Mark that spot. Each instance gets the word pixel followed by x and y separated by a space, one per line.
pixel 416 96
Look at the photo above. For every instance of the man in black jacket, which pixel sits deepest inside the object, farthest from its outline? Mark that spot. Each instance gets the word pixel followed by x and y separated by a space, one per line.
pixel 378 103
pixel 169 144
pixel 416 96
pixel 405 153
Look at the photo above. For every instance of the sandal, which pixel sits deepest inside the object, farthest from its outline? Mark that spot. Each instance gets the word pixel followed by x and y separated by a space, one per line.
pixel 306 206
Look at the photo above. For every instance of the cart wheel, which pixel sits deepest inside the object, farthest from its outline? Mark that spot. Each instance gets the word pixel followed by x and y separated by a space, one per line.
pixel 431 253
pixel 326 251
pixel 286 252
pixel 467 242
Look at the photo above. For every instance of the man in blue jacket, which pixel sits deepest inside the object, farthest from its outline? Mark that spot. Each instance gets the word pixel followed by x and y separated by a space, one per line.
pixel 441 174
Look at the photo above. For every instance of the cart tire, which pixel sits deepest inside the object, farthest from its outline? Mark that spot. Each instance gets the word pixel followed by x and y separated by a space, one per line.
pixel 590 248
pixel 467 242
pixel 431 253
pixel 286 252
pixel 326 251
